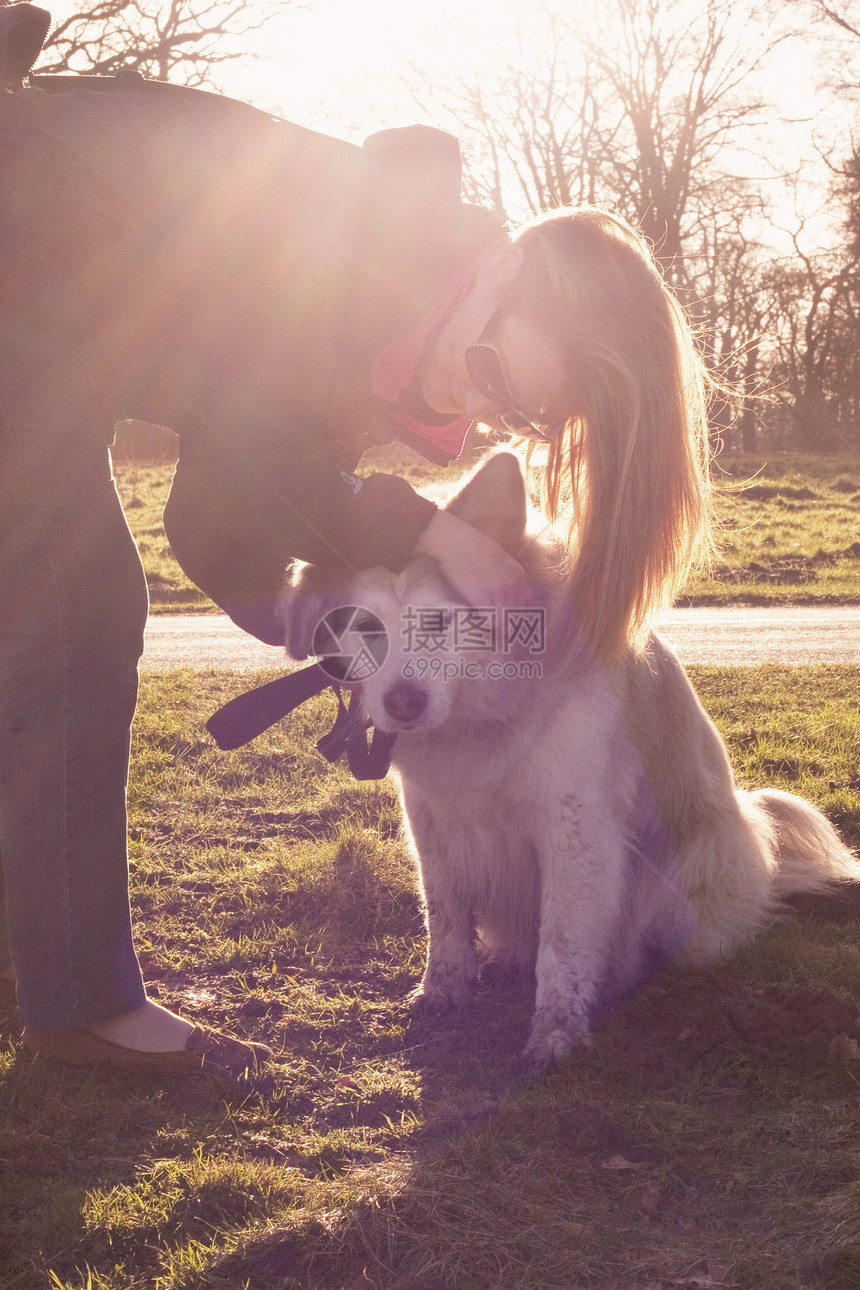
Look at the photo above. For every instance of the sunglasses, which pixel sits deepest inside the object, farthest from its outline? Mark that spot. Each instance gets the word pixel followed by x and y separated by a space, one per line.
pixel 484 365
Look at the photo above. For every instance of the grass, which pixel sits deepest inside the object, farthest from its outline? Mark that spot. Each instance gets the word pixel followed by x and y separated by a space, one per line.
pixel 143 487
pixel 790 534
pixel 708 1141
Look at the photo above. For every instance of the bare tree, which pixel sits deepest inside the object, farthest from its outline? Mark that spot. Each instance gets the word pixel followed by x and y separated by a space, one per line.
pixel 845 15
pixel 188 39
pixel 851 193
pixel 834 25
pixel 816 296
pixel 683 85
pixel 844 19
pixel 734 310
pixel 641 107
pixel 819 339
pixel 526 126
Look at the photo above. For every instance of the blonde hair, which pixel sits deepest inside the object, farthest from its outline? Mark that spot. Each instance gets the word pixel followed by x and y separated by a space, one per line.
pixel 629 473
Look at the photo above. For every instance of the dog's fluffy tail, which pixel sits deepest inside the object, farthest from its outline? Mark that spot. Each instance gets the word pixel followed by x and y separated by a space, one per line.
pixel 810 856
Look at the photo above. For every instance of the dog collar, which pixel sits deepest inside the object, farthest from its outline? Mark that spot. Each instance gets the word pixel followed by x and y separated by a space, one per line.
pixel 249 714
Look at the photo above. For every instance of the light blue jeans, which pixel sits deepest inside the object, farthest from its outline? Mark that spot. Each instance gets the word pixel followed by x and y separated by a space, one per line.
pixel 73 607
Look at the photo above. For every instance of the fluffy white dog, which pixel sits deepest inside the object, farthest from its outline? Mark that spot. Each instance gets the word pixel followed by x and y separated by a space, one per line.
pixel 575 821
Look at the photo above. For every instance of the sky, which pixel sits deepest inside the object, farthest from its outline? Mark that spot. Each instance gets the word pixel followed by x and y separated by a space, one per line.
pixel 342 65
pixel 344 61
pixel 339 65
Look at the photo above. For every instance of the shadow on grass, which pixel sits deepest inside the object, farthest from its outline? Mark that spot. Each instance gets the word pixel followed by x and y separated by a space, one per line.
pixel 702 1142
pixel 699 1144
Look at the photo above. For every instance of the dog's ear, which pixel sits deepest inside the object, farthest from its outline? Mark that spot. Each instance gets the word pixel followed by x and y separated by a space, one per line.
pixel 494 501
pixel 311 592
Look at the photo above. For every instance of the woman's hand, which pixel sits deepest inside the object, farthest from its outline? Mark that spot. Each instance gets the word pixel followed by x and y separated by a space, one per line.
pixel 472 562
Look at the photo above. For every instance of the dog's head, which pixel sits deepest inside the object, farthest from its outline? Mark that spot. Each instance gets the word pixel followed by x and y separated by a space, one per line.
pixel 419 653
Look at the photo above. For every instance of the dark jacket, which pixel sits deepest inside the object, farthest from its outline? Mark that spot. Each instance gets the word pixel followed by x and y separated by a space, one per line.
pixel 182 258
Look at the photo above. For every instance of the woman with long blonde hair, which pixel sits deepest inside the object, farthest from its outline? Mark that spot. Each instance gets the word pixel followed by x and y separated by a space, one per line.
pixel 629 474
pixel 590 340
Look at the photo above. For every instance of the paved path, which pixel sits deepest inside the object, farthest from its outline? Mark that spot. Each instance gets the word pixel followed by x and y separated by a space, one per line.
pixel 740 637
pixel 709 635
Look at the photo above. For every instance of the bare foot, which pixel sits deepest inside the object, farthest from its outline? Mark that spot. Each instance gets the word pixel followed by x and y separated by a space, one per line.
pixel 148 1029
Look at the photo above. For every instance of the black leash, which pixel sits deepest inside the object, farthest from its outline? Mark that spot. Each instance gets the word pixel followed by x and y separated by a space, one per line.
pixel 249 714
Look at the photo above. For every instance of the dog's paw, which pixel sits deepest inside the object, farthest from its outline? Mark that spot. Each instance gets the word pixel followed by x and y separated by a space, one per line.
pixel 443 993
pixel 550 1043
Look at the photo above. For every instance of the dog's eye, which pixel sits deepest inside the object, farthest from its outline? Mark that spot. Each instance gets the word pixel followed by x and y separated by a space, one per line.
pixel 367 624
